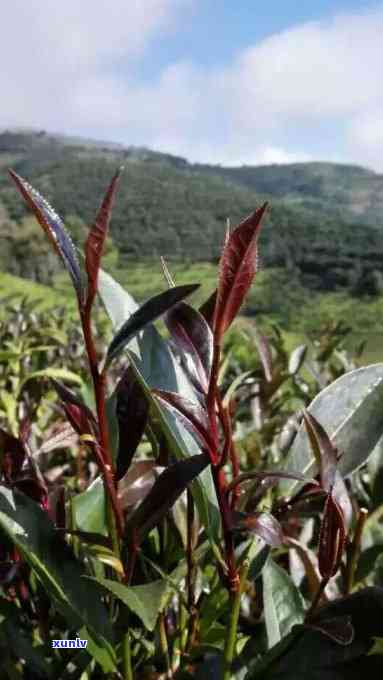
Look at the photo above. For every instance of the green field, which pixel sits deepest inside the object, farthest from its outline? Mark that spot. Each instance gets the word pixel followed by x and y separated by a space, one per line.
pixel 274 298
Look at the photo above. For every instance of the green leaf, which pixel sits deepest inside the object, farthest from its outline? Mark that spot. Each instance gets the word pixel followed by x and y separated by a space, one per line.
pixel 350 411
pixel 56 373
pixel 377 647
pixel 147 601
pixel 119 304
pixel 33 533
pixel 90 509
pixel 284 605
pixel 297 358
pixel 99 653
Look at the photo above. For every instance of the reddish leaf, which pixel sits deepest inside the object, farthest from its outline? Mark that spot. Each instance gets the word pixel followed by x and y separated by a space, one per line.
pixel 54 228
pixel 57 511
pixel 237 270
pixel 268 475
pixel 25 430
pixel 12 455
pixel 331 538
pixel 34 487
pixel 263 524
pixel 96 239
pixel 164 493
pixel 192 415
pixel 193 336
pixel 78 419
pixel 208 307
pixel 67 396
pixel 79 415
pixel 324 451
pixel 132 416
pixel 148 312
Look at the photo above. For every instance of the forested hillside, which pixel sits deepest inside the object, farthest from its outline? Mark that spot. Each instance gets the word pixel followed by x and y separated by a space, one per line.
pixel 325 224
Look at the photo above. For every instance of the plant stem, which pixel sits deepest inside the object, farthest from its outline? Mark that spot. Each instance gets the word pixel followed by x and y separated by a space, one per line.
pixel 164 644
pixel 231 638
pixel 355 550
pixel 114 514
pixel 219 475
pixel 220 488
pixel 127 658
pixel 99 385
pixel 317 598
pixel 211 402
pixel 191 571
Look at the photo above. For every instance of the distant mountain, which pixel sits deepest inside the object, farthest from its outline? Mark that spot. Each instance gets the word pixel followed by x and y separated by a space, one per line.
pixel 325 225
pixel 352 192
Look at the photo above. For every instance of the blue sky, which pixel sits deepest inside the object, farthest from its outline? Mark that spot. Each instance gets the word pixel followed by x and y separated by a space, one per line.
pixel 214 31
pixel 225 82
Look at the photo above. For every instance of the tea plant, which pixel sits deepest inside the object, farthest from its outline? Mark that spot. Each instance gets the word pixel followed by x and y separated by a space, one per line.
pixel 215 523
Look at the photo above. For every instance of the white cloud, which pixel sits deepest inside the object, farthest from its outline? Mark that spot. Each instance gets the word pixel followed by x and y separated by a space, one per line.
pixel 310 91
pixel 55 52
pixel 318 69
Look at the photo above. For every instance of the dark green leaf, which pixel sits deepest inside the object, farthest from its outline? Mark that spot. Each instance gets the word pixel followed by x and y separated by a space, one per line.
pixel 147 601
pixel 147 313
pixel 55 565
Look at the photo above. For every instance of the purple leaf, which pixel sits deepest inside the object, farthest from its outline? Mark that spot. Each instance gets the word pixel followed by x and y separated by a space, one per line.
pixel 12 455
pixel 194 338
pixel 207 309
pixel 331 538
pixel 79 415
pixel 54 228
pixel 338 629
pixel 132 415
pixel 324 451
pixel 192 415
pixel 164 493
pixel 263 524
pixel 268 475
pixel 237 270
pixel 96 239
pixel 148 312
